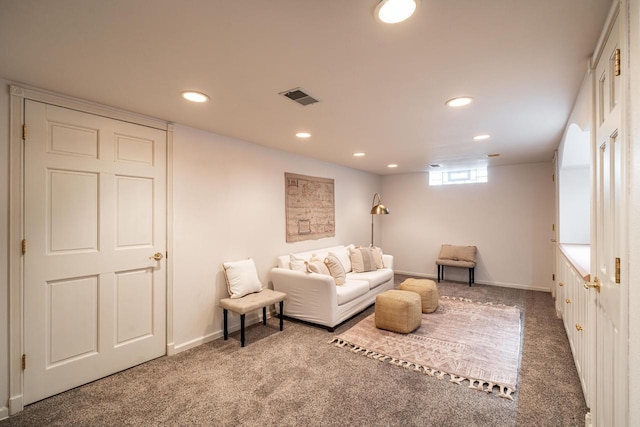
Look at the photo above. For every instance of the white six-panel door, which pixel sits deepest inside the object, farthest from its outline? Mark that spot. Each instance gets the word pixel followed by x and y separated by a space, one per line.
pixel 611 359
pixel 94 299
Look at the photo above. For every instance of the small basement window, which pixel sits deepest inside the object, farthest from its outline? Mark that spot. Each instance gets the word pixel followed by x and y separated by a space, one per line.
pixel 462 176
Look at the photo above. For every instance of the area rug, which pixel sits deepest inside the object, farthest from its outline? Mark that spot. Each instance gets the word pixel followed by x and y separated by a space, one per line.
pixel 478 343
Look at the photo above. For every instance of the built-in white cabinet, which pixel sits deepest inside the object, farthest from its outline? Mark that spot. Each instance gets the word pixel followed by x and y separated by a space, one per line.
pixel 575 304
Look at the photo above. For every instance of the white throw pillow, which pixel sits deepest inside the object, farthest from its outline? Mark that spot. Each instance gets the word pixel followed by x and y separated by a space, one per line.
pixel 297 264
pixel 343 256
pixel 242 278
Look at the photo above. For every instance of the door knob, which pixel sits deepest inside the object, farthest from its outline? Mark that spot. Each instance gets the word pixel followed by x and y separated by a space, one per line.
pixel 157 256
pixel 596 284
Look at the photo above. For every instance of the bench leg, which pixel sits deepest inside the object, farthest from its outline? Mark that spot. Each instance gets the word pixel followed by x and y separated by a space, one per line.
pixel 242 330
pixel 440 272
pixel 264 315
pixel 471 276
pixel 281 307
pixel 225 315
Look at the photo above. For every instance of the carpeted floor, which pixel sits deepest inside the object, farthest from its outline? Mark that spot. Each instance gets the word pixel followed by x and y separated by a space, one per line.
pixel 295 378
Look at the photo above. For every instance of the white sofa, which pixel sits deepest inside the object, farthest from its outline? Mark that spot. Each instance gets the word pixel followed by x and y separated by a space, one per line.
pixel 315 298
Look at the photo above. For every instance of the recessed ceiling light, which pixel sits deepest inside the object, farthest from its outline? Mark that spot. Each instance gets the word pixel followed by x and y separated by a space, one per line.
pixel 193 96
pixel 394 11
pixel 460 101
pixel 392 165
pixel 481 137
pixel 493 155
pixel 359 154
pixel 435 165
pixel 303 135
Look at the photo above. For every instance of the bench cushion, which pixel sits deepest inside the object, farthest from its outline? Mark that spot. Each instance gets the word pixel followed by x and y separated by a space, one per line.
pixel 253 301
pixel 452 263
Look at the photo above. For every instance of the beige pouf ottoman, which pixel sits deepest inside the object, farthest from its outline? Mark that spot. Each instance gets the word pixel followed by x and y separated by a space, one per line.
pixel 398 311
pixel 428 291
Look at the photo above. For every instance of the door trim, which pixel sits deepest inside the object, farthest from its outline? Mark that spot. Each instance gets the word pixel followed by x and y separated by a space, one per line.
pixel 20 93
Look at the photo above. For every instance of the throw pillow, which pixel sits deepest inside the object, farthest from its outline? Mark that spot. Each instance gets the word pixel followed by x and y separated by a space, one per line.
pixel 466 253
pixel 448 252
pixel 343 256
pixel 335 269
pixel 297 264
pixel 377 256
pixel 362 260
pixel 318 267
pixel 242 278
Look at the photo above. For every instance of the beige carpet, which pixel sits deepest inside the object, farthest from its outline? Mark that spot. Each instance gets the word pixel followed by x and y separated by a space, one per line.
pixel 462 341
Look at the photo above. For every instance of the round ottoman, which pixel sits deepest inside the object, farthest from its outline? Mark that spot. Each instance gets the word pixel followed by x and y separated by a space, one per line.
pixel 398 311
pixel 428 291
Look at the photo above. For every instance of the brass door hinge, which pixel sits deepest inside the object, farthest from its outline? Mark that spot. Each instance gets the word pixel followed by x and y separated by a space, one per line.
pixel 24 246
pixel 553 177
pixel 616 64
pixel 24 362
pixel 553 227
pixel 24 132
pixel 553 277
pixel 617 270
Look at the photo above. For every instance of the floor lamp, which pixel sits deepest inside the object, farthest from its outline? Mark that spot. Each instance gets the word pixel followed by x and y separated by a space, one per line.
pixel 378 209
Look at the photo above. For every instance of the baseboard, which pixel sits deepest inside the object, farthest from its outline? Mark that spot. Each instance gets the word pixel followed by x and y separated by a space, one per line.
pixel 16 404
pixel 481 282
pixel 4 413
pixel 233 327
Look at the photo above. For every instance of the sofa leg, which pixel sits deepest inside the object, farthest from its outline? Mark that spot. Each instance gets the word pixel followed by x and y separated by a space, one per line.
pixel 471 276
pixel 242 330
pixel 225 314
pixel 264 315
pixel 281 308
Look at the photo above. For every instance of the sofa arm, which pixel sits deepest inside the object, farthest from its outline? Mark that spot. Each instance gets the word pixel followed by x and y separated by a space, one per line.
pixel 387 260
pixel 303 286
pixel 311 297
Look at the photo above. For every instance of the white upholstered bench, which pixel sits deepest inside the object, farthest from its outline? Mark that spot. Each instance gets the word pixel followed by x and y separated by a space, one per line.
pixel 246 294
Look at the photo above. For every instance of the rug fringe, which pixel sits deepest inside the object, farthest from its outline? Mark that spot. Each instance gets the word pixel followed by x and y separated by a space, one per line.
pixel 504 391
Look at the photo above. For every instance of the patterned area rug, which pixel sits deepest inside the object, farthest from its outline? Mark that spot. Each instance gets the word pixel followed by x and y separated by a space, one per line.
pixel 462 340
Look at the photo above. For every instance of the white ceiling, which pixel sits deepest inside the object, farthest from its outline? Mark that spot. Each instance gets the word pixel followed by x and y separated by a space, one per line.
pixel 382 88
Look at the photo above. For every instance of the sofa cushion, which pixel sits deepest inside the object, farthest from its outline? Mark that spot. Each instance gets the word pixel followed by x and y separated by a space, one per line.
pixel 374 278
pixel 335 269
pixel 351 290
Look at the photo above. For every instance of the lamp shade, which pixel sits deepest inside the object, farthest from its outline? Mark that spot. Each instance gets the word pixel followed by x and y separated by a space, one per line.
pixel 379 209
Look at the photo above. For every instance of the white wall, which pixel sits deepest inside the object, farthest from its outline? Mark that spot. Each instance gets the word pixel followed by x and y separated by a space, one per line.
pixel 4 256
pixel 509 220
pixel 229 202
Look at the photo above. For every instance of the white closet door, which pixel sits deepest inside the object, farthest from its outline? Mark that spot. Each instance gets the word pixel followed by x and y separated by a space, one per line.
pixel 95 212
pixel 611 335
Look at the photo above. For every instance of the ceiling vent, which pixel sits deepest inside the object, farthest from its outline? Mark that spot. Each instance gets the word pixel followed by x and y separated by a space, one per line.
pixel 300 96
